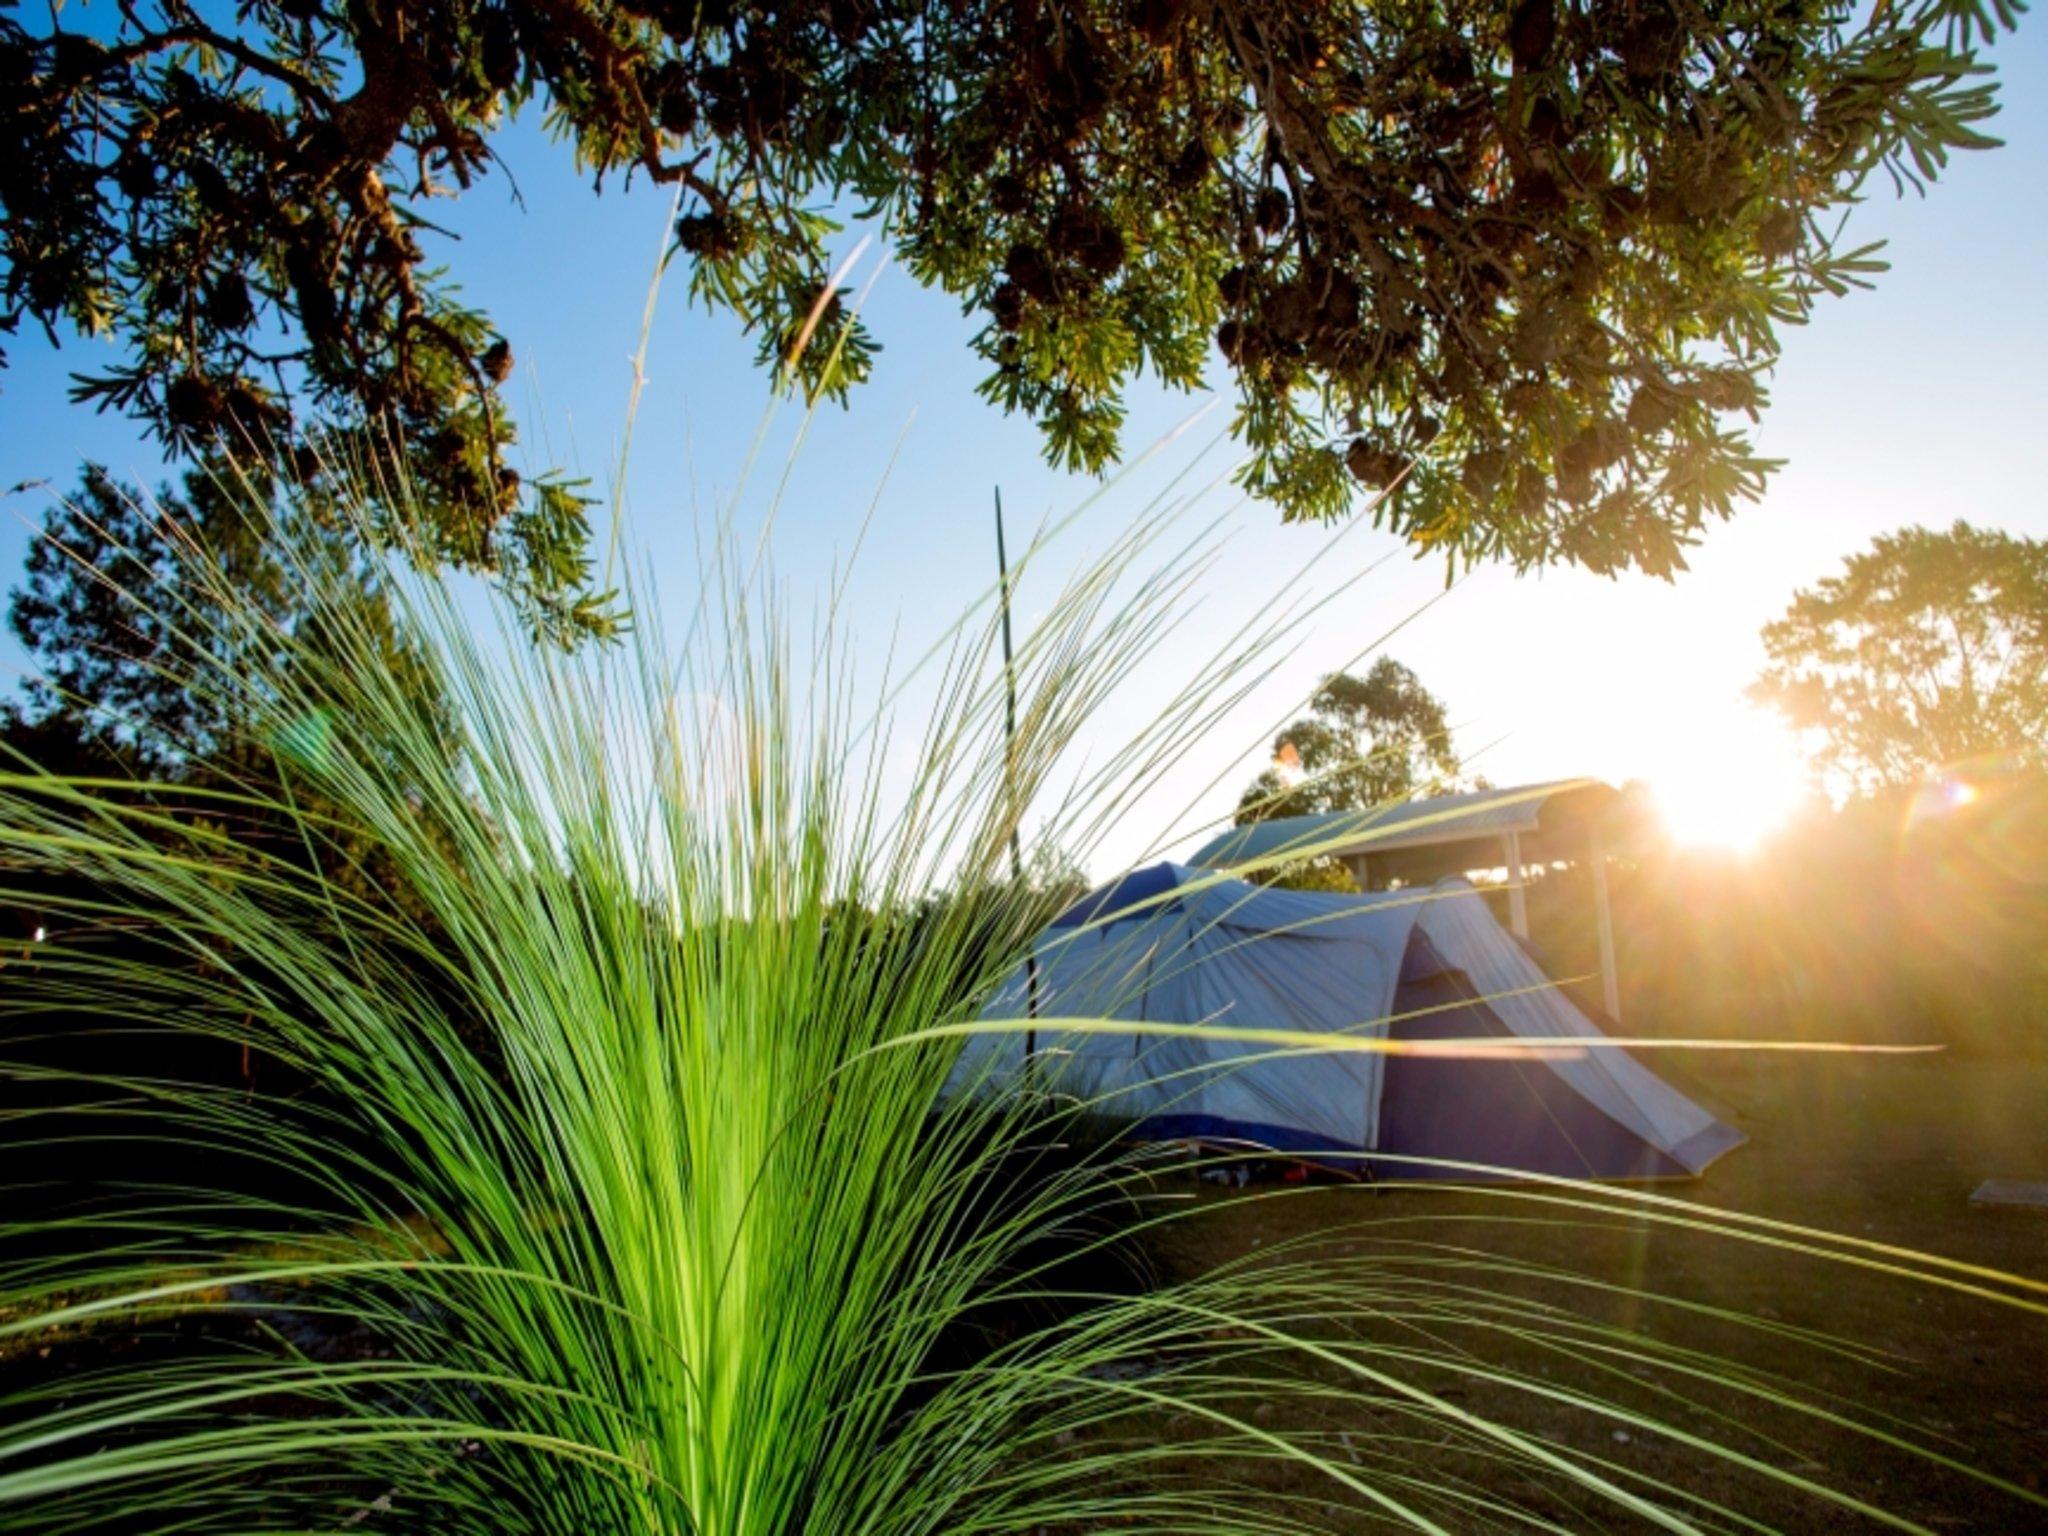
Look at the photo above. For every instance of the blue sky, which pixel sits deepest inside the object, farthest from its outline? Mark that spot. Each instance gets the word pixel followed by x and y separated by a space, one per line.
pixel 1923 401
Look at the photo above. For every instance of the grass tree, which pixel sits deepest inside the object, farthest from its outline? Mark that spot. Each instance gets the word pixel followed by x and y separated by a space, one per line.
pixel 618 1150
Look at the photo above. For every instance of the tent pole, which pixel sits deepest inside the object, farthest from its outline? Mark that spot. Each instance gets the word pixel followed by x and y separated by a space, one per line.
pixel 1610 981
pixel 1009 779
pixel 1518 902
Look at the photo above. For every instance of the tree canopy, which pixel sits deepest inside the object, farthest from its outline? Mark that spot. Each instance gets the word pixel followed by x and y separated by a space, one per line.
pixel 135 608
pixel 1510 272
pixel 121 635
pixel 1930 648
pixel 1365 741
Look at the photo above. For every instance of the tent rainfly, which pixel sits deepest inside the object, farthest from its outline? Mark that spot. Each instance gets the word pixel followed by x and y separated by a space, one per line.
pixel 1516 828
pixel 1171 944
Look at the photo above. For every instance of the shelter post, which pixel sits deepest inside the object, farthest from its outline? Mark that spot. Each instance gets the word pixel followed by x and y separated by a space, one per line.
pixel 1610 981
pixel 1518 901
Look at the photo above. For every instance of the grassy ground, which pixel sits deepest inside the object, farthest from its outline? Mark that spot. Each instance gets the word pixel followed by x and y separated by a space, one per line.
pixel 1882 1148
pixel 1886 1149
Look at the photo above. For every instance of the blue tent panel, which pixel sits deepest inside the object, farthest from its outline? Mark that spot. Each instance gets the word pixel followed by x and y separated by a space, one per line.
pixel 1142 890
pixel 1502 1113
pixel 1174 945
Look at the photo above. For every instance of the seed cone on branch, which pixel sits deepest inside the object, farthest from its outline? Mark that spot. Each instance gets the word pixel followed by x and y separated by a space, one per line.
pixel 1372 465
pixel 1272 211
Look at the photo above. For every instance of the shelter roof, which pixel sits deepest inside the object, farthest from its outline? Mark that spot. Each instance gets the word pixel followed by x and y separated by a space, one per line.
pixel 1210 899
pixel 1440 820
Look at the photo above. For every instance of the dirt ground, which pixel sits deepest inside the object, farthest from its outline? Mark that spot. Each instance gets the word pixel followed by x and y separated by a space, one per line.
pixel 1885 1149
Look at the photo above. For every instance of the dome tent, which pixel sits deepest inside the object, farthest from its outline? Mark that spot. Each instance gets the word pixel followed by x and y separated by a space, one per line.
pixel 1174 945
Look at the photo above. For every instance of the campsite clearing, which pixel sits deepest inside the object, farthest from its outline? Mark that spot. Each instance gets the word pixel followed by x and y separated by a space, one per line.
pixel 1885 1149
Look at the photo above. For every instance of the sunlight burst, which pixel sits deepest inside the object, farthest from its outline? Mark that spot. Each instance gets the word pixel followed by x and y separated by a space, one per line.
pixel 1734 787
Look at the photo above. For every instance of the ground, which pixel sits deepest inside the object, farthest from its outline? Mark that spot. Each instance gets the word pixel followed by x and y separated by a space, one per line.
pixel 1885 1149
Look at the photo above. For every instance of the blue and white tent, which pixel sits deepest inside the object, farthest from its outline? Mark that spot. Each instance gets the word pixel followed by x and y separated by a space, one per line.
pixel 1170 944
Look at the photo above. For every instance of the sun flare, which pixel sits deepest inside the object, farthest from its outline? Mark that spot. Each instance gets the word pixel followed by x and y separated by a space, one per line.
pixel 1733 787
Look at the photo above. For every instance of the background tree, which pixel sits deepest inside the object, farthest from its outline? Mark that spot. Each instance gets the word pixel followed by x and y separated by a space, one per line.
pixel 108 670
pixel 135 609
pixel 1929 648
pixel 1366 741
pixel 117 629
pixel 122 634
pixel 1513 267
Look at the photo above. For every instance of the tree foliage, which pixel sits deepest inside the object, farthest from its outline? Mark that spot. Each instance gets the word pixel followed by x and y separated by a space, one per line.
pixel 1366 741
pixel 1929 648
pixel 1511 270
pixel 111 671
pixel 122 639
pixel 132 608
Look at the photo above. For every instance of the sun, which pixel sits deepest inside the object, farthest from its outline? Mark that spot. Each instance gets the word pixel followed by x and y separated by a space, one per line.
pixel 1732 786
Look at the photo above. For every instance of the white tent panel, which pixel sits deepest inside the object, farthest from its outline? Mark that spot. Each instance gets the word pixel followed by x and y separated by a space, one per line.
pixel 1198 948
